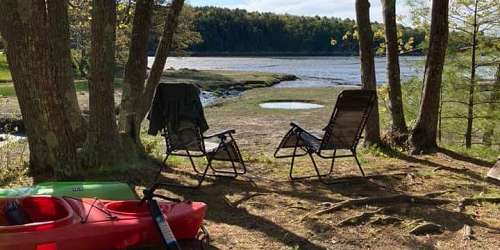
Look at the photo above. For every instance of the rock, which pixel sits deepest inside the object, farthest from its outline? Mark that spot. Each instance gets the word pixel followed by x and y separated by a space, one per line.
pixel 427 228
pixel 467 230
pixel 494 172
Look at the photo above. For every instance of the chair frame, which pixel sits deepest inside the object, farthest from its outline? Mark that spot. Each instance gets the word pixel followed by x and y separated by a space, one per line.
pixel 298 131
pixel 223 144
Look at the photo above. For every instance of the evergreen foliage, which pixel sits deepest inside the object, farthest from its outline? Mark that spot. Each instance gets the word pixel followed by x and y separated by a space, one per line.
pixel 239 31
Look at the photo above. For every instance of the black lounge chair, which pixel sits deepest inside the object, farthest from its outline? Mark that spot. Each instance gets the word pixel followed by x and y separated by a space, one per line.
pixel 342 133
pixel 187 138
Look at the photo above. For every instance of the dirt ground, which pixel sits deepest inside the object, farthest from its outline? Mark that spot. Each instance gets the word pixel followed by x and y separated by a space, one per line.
pixel 264 210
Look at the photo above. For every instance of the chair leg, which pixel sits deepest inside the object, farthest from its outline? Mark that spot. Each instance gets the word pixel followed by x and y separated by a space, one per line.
pixel 240 157
pixel 234 173
pixel 192 163
pixel 357 161
pixel 290 174
pixel 162 166
pixel 333 162
pixel 320 176
pixel 242 163
pixel 316 169
pixel 202 177
pixel 222 173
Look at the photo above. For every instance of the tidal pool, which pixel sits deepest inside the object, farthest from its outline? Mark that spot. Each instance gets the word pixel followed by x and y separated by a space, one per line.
pixel 290 105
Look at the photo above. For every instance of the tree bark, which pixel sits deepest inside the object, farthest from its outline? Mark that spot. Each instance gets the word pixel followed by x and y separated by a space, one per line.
pixel 472 86
pixel 25 25
pixel 393 74
pixel 61 67
pixel 366 53
pixel 103 144
pixel 135 71
pixel 423 135
pixel 170 26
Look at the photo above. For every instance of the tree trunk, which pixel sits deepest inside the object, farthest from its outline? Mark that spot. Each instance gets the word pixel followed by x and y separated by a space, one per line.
pixel 135 71
pixel 61 66
pixel 103 143
pixel 472 86
pixel 170 26
pixel 393 75
pixel 138 92
pixel 423 135
pixel 366 53
pixel 24 26
pixel 492 107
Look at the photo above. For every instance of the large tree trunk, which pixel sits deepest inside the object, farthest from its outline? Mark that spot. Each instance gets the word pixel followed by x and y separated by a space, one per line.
pixel 138 92
pixel 170 26
pixel 103 143
pixel 423 135
pixel 135 71
pixel 472 84
pixel 366 53
pixel 393 76
pixel 61 66
pixel 25 25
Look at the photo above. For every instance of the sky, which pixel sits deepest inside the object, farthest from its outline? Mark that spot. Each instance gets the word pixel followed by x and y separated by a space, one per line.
pixel 330 8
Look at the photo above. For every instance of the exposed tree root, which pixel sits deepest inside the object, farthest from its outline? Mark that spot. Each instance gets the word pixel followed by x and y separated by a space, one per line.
pixel 426 199
pixel 436 194
pixel 427 228
pixel 469 201
pixel 454 170
pixel 396 198
pixel 386 220
pixel 242 200
pixel 358 219
pixel 351 179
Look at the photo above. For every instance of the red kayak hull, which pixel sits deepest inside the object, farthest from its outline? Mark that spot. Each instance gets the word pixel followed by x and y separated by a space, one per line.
pixel 81 223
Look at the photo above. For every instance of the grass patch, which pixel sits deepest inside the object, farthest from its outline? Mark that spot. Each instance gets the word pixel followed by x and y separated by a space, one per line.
pixel 4 69
pixel 482 152
pixel 80 85
pixel 83 85
pixel 210 80
pixel 14 164
pixel 7 90
pixel 217 80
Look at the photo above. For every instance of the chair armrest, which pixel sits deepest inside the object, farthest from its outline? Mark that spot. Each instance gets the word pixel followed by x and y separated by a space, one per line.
pixel 302 130
pixel 296 125
pixel 219 134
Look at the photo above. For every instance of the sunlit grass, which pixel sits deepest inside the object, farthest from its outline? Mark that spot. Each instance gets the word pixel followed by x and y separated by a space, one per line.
pixel 80 85
pixel 4 69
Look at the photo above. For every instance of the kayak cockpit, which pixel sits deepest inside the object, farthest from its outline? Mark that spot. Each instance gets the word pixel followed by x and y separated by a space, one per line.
pixel 33 213
pixel 129 208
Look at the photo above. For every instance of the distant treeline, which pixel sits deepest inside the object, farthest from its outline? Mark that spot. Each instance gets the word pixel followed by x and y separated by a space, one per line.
pixel 239 32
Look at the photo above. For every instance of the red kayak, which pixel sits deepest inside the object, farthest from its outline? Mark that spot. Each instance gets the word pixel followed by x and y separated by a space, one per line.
pixel 50 223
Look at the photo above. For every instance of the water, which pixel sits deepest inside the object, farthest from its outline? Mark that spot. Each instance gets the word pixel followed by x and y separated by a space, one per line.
pixel 312 71
pixel 289 105
pixel 6 139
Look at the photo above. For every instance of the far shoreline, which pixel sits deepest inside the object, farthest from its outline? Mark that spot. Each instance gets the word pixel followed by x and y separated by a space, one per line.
pixel 276 54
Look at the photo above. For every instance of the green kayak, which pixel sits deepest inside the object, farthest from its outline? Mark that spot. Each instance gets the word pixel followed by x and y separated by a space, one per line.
pixel 101 190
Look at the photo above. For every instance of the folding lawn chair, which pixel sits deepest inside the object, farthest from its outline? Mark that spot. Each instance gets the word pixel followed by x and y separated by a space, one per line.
pixel 342 133
pixel 186 138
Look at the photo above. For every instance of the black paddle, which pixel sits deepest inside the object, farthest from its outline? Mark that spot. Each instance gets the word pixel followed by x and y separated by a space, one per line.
pixel 158 217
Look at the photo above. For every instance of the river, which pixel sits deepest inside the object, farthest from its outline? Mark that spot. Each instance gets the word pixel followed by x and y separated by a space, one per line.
pixel 313 71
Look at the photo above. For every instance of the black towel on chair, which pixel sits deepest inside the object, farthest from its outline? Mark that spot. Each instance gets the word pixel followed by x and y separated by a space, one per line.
pixel 174 103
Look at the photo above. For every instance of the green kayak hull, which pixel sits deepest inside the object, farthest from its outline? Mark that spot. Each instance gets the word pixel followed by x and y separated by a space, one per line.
pixel 81 189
